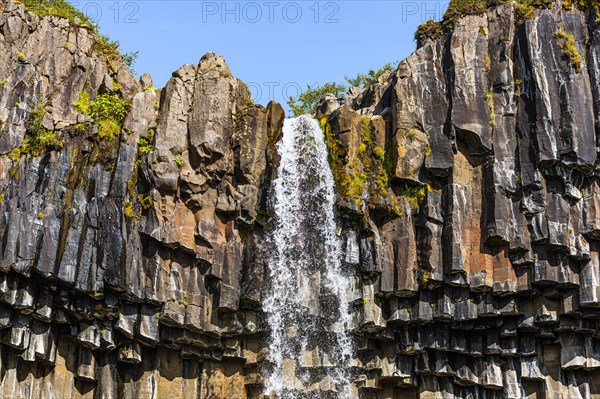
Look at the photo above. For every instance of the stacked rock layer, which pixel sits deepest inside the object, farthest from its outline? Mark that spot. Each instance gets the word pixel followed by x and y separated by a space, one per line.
pixel 133 264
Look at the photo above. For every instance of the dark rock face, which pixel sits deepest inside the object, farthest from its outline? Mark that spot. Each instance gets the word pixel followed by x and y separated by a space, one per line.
pixel 469 207
pixel 484 283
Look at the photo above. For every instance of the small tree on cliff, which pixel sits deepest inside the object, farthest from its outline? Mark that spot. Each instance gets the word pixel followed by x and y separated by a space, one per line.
pixel 306 101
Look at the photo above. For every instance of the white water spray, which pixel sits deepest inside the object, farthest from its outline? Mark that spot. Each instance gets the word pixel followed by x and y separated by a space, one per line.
pixel 310 350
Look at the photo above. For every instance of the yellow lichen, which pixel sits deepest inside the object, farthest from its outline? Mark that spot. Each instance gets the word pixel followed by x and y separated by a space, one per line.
pixel 128 210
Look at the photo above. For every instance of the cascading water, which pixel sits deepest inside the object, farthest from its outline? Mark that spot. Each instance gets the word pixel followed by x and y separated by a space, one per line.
pixel 310 350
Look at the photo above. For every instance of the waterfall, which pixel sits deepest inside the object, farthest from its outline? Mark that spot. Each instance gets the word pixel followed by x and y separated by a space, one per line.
pixel 310 350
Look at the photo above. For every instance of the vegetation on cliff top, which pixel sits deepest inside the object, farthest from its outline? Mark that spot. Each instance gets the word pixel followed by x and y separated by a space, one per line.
pixel 63 9
pixel 457 9
pixel 306 101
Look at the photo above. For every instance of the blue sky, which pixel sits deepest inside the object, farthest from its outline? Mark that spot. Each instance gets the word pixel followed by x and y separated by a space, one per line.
pixel 276 47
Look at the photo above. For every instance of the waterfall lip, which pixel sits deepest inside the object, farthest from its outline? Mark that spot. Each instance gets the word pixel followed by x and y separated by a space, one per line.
pixel 306 307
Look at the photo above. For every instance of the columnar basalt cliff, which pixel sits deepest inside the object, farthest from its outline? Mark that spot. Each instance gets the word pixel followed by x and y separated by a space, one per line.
pixel 133 253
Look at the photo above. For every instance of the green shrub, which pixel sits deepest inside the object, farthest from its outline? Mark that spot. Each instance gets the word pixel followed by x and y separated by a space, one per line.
pixel 523 12
pixel 38 139
pixel 109 106
pixel 108 112
pixel 60 8
pixel 108 130
pixel 429 30
pixel 129 59
pixel 415 195
pixel 569 47
pixel 460 8
pixel 370 78
pixel 307 101
pixel 179 162
pixel 83 104
pixel 144 147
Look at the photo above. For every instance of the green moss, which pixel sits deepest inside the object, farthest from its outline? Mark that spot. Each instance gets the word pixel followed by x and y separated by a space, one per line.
pixel 518 177
pixel 132 183
pixel 83 104
pixel 569 47
pixel 366 173
pixel 362 148
pixel 2 198
pixel 415 195
pixel 38 139
pixel 21 57
pixel 3 82
pixel 518 84
pixel 379 153
pixel 96 294
pixel 78 129
pixel 365 129
pixel 337 158
pixel 587 4
pixel 15 154
pixel 523 12
pixel 388 162
pixel 423 277
pixel 144 147
pixel 428 150
pixel 179 161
